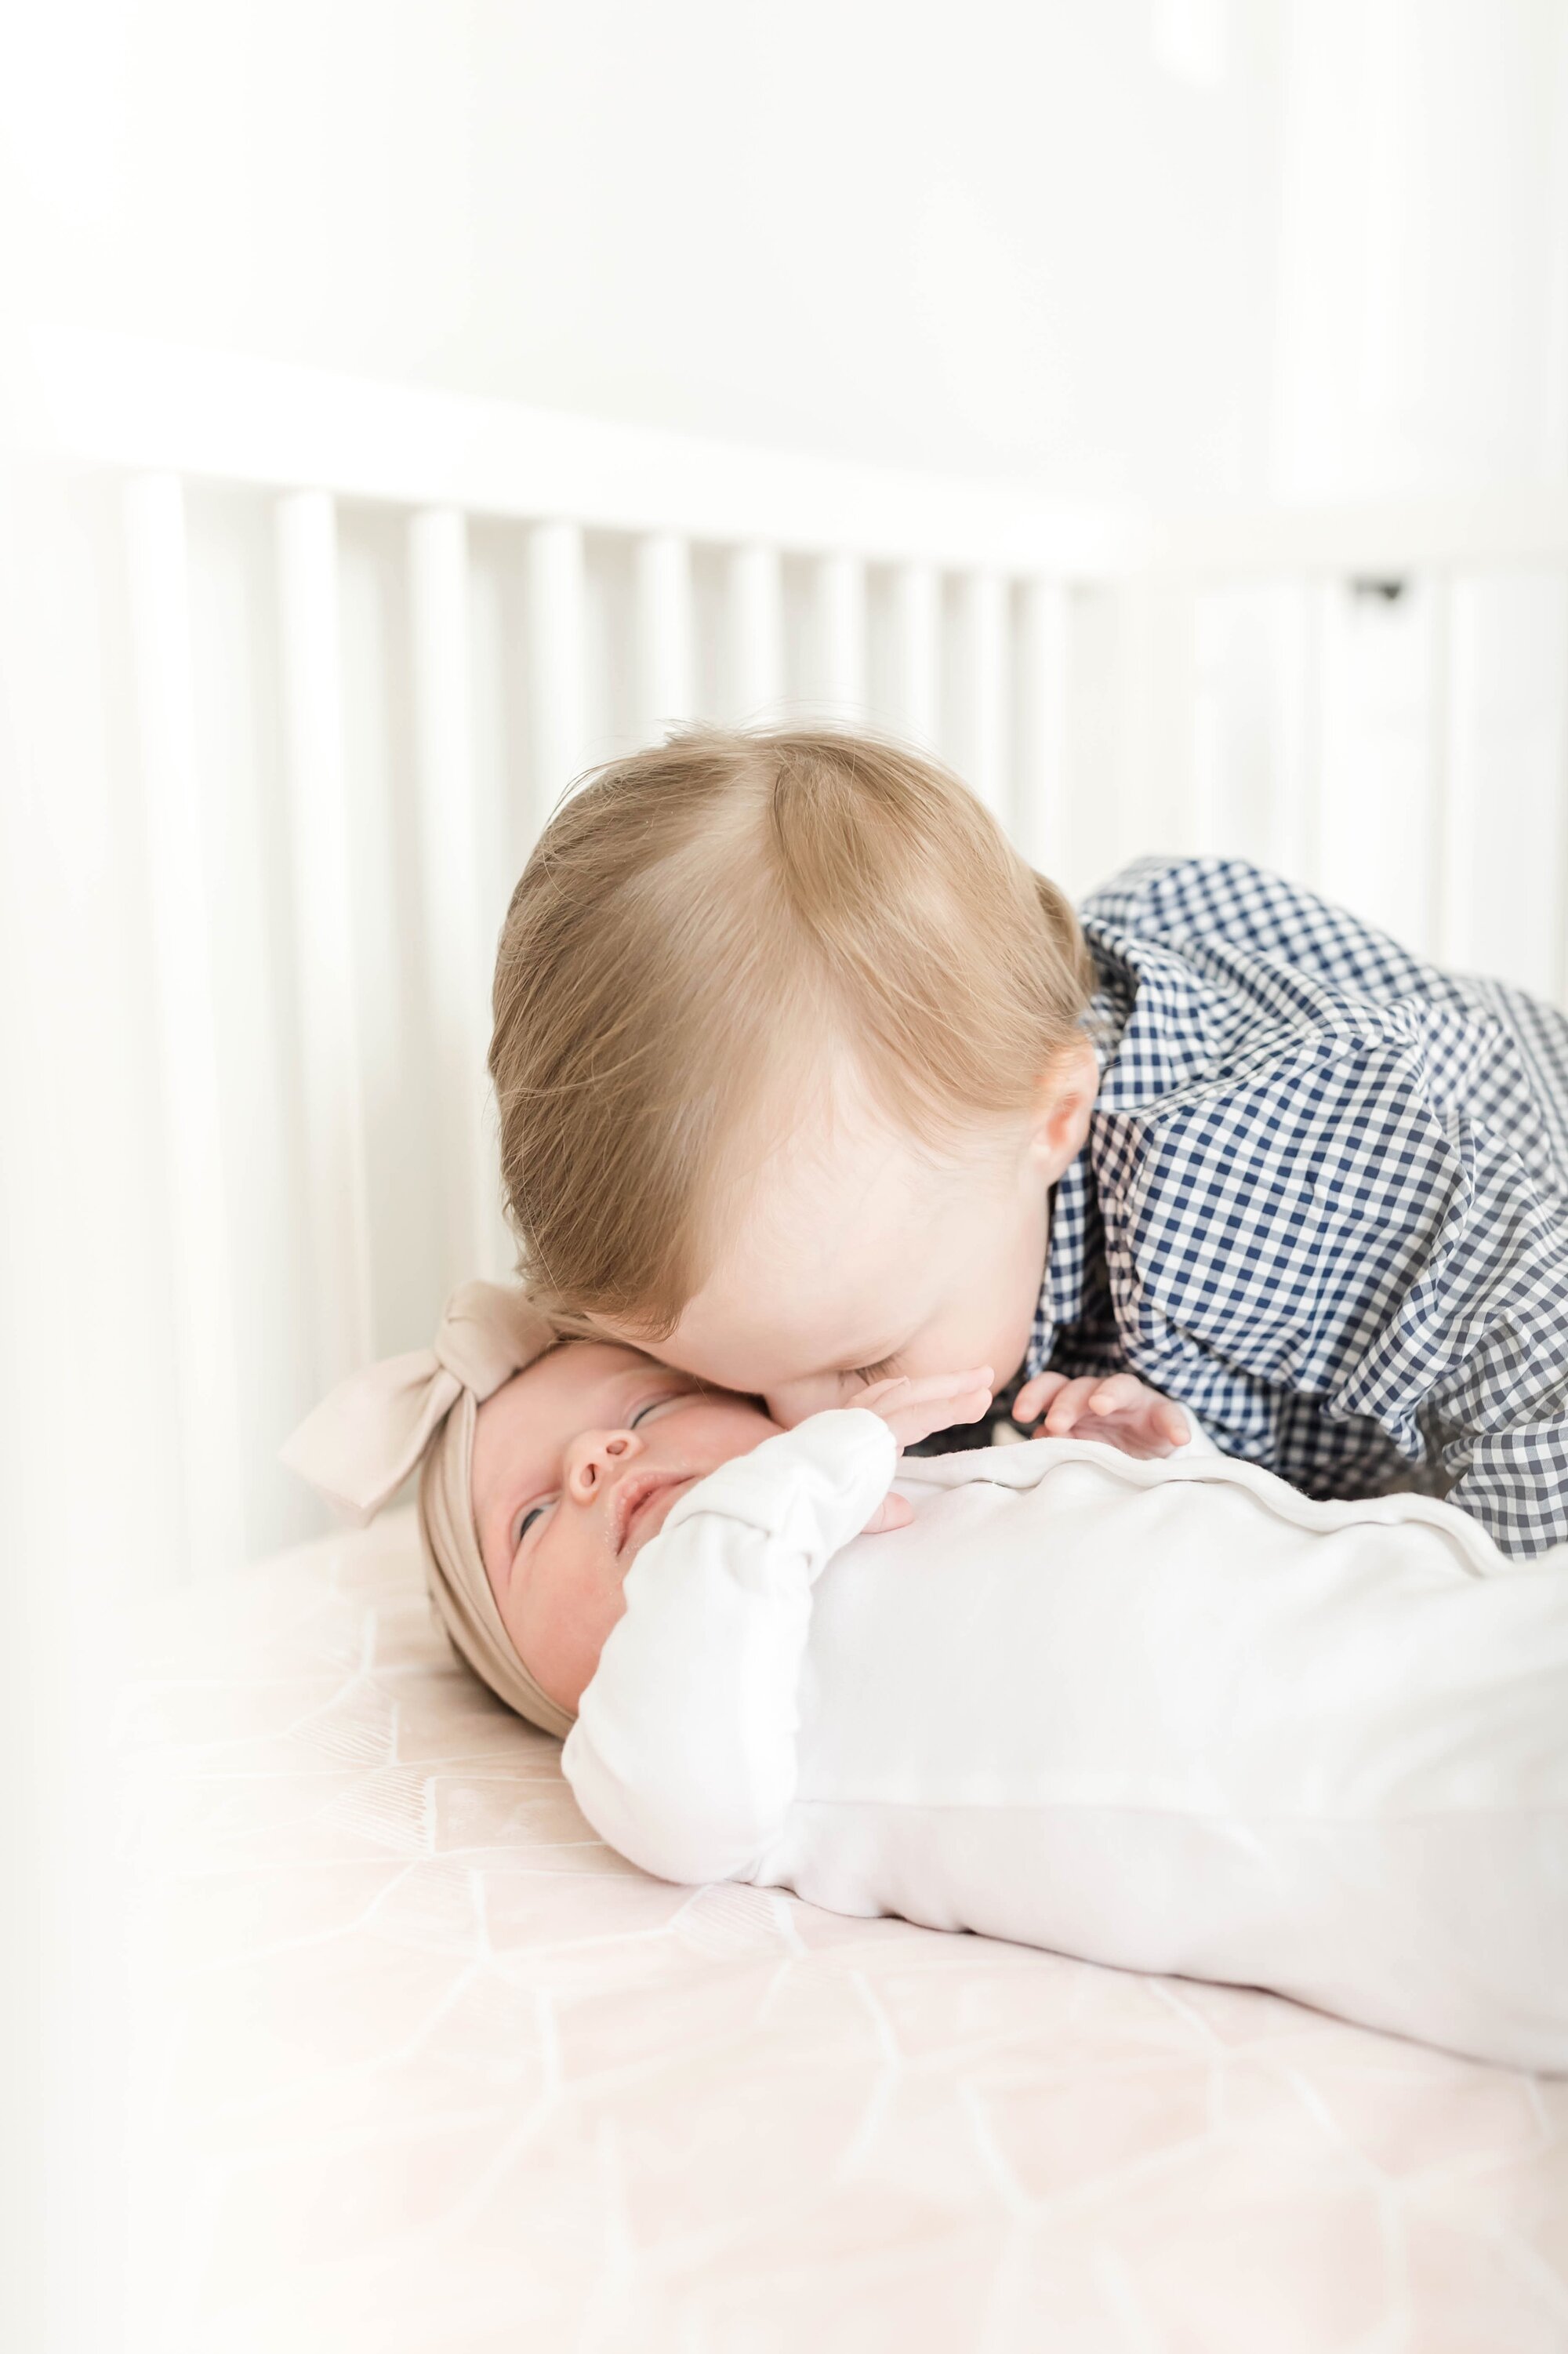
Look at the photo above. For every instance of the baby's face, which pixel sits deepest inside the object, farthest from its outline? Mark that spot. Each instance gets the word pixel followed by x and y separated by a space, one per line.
pixel 577 1461
pixel 853 1253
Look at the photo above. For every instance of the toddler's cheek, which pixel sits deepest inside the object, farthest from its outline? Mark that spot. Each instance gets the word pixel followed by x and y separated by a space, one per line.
pixel 800 1401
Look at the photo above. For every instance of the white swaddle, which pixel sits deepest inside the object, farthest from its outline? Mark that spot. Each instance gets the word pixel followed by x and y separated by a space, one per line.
pixel 1171 1716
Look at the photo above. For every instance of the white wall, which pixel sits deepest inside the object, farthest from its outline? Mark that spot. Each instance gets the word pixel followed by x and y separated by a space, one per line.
pixel 969 236
pixel 1423 269
pixel 1186 250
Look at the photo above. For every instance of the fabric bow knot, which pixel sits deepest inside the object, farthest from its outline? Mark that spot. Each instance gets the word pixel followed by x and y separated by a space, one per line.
pixel 361 1443
pixel 419 1410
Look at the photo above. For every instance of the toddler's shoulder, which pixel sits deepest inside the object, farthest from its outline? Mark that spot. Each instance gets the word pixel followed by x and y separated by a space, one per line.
pixel 1231 947
pixel 1214 974
pixel 1193 903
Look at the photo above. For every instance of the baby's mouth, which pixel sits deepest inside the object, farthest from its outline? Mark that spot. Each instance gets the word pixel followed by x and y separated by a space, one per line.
pixel 639 1504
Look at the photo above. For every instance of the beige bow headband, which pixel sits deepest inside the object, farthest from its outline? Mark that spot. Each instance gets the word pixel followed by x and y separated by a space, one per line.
pixel 362 1442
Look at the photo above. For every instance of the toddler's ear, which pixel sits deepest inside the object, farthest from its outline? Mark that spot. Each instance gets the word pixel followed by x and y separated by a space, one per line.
pixel 893 1512
pixel 1062 1104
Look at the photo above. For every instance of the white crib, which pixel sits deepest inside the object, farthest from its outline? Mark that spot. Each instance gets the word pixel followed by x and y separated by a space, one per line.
pixel 297 667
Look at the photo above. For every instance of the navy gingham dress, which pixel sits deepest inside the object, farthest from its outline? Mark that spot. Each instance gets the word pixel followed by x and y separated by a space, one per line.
pixel 1324 1201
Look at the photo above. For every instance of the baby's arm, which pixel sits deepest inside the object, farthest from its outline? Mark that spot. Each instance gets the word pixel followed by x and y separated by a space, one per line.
pixel 682 1755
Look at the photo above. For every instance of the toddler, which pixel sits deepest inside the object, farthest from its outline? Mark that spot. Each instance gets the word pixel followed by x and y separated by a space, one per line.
pixel 806 1078
pixel 1169 1716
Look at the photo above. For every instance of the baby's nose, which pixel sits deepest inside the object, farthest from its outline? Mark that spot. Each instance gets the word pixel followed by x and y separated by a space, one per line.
pixel 592 1454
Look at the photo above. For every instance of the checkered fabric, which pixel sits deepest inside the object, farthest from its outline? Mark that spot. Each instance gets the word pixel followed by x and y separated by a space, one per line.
pixel 1324 1202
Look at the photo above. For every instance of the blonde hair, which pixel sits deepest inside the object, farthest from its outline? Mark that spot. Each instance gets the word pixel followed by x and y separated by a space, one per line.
pixel 706 920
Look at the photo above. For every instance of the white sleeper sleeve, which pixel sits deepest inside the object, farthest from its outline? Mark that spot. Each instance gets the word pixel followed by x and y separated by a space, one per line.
pixel 682 1755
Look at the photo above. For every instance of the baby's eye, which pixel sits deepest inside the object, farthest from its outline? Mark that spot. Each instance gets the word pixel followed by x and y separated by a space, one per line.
pixel 527 1520
pixel 669 1398
pixel 863 1375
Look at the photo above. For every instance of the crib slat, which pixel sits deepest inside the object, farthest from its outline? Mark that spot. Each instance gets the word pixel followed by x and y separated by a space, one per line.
pixel 754 597
pixel 1505 849
pixel 1461 857
pixel 556 663
pixel 1154 801
pixel 1255 756
pixel 330 1054
pixel 979 732
pixel 203 1307
pixel 663 638
pixel 916 650
pixel 1376 834
pixel 840 597
pixel 1040 707
pixel 1439 732
pixel 459 901
pixel 1293 814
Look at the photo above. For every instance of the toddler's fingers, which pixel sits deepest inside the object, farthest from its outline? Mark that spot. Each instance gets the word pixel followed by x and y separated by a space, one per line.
pixel 917 1421
pixel 893 1512
pixel 1172 1420
pixel 1117 1393
pixel 961 1406
pixel 1069 1404
pixel 1034 1396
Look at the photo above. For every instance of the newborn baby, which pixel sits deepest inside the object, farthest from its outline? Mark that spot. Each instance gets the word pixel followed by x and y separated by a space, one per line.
pixel 578 1461
pixel 1166 1715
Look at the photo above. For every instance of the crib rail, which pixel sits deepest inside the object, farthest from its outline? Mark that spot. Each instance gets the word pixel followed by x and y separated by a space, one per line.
pixel 142 406
pixel 348 644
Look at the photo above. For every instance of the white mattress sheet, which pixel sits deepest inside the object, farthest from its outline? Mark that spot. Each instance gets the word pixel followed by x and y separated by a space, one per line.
pixel 420 2064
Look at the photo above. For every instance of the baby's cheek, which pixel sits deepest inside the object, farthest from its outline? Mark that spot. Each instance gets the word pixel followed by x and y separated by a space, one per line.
pixel 578 1635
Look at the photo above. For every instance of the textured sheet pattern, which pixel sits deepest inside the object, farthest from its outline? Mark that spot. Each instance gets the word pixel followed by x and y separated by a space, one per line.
pixel 422 2065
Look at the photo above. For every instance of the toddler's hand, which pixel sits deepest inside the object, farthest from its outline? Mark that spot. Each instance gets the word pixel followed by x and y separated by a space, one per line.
pixel 912 1410
pixel 1117 1408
